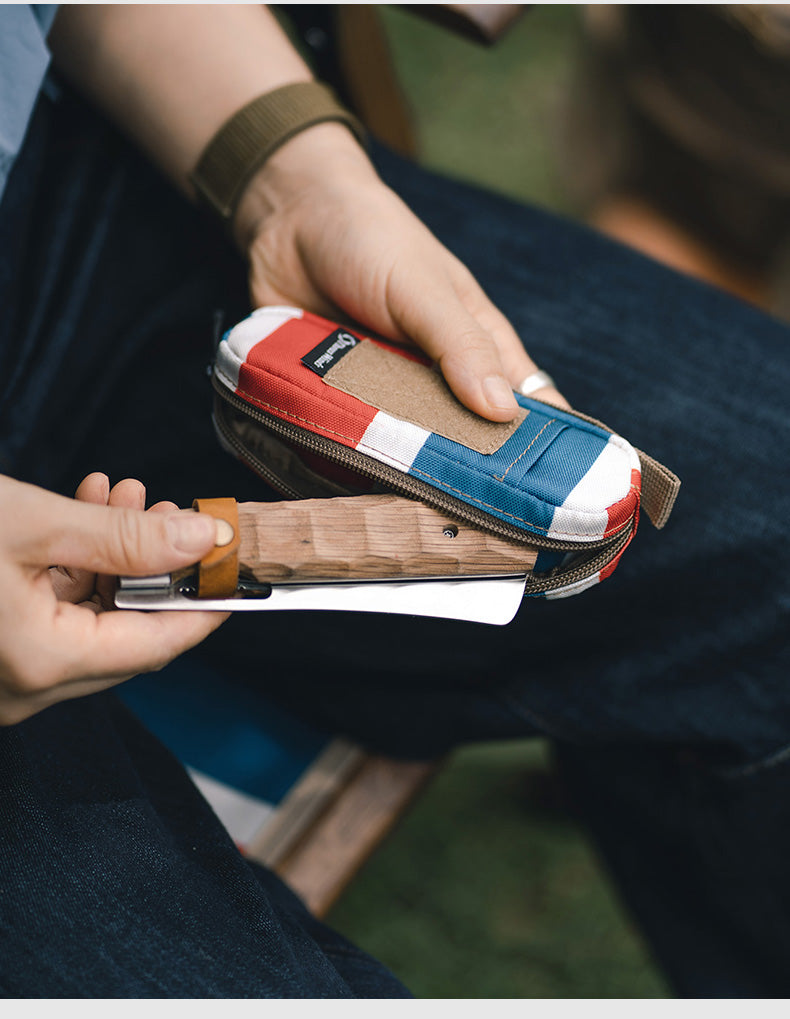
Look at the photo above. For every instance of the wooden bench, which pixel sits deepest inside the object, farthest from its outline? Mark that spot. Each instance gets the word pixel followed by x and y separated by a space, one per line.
pixel 333 819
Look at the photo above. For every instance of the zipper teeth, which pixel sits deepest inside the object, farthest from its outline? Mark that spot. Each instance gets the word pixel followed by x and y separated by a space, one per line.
pixel 558 578
pixel 253 462
pixel 389 475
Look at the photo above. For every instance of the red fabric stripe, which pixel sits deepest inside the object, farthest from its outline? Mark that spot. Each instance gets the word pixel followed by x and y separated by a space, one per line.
pixel 607 571
pixel 636 490
pixel 622 510
pixel 274 379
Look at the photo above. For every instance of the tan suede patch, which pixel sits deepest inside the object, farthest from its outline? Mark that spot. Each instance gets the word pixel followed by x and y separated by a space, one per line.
pixel 417 393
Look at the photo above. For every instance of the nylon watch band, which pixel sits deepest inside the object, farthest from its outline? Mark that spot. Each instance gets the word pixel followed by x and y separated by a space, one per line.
pixel 244 143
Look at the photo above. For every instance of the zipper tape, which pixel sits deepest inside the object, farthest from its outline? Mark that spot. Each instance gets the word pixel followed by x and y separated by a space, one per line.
pixel 595 555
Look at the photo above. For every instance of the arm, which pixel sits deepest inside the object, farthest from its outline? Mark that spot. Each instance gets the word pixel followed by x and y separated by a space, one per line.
pixel 318 226
pixel 171 75
pixel 320 230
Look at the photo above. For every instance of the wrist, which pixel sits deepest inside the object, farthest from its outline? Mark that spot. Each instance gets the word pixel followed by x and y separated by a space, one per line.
pixel 321 158
pixel 255 133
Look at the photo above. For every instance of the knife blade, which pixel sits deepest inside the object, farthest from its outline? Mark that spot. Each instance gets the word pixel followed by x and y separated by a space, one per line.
pixel 493 600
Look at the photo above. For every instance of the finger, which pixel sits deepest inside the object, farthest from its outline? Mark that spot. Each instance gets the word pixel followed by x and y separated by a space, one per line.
pixel 519 366
pixel 129 493
pixel 104 539
pixel 94 488
pixel 132 643
pixel 307 297
pixel 269 285
pixel 163 507
pixel 124 643
pixel 465 351
pixel 515 359
pixel 71 584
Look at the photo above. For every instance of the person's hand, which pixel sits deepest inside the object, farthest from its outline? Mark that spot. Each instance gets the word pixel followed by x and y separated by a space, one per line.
pixel 319 227
pixel 324 233
pixel 58 639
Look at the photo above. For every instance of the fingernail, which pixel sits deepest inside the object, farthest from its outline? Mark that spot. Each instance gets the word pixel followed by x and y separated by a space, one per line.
pixel 499 393
pixel 225 533
pixel 191 532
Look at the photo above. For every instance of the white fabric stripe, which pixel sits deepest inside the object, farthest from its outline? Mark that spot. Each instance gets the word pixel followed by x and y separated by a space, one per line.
pixel 577 588
pixel 243 816
pixel 633 456
pixel 392 441
pixel 233 350
pixel 227 366
pixel 608 480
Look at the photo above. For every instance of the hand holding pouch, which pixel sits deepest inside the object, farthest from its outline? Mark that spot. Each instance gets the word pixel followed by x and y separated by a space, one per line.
pixel 322 410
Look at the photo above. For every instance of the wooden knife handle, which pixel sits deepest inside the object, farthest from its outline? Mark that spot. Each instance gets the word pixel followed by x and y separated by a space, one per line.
pixel 365 537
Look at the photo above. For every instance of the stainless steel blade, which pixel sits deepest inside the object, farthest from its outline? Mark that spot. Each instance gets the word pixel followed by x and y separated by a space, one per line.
pixel 493 600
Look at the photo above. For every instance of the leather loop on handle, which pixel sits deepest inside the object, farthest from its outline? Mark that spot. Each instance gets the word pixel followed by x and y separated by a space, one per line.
pixel 218 572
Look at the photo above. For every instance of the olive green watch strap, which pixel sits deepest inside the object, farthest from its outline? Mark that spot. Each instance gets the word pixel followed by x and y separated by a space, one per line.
pixel 244 143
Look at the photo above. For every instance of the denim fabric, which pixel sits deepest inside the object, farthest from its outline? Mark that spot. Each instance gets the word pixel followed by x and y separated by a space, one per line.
pixel 664 689
pixel 118 881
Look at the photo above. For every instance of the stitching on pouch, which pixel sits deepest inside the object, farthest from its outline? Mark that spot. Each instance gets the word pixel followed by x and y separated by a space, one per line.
pixel 331 396
pixel 295 417
pixel 523 520
pixel 529 447
pixel 443 484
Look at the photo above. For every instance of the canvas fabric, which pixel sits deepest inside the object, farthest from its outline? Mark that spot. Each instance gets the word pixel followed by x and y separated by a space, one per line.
pixel 551 474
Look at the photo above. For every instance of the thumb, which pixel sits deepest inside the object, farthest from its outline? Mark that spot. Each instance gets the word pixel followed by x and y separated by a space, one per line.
pixel 108 539
pixel 465 350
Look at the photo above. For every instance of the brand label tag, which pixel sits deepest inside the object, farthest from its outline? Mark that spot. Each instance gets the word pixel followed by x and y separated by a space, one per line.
pixel 329 351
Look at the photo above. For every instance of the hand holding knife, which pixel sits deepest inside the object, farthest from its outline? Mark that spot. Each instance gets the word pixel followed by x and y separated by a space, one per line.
pixel 372 553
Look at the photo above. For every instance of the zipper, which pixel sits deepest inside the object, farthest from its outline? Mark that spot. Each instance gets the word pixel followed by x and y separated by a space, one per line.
pixel 252 461
pixel 398 482
pixel 601 552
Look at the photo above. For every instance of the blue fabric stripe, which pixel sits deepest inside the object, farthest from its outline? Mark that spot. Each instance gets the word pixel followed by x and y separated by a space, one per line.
pixel 463 473
pixel 527 453
pixel 554 476
pixel 561 415
pixel 226 730
pixel 527 478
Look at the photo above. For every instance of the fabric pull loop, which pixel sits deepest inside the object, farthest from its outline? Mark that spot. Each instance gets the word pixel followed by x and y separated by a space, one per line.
pixel 218 572
pixel 660 488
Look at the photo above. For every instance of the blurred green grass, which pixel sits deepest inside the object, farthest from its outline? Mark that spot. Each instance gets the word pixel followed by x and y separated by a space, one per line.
pixel 482 891
pixel 491 115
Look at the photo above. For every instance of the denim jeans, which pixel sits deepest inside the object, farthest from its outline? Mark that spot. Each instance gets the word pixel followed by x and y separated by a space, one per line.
pixel 664 690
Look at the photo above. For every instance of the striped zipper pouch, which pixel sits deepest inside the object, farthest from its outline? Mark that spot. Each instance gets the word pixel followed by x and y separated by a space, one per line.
pixel 319 409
